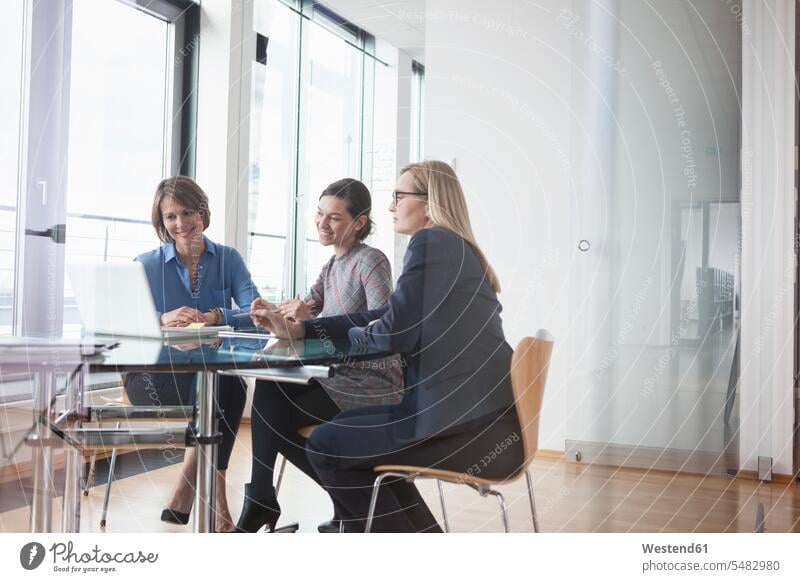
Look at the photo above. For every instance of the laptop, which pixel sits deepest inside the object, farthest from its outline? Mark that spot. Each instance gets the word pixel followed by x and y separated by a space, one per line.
pixel 115 299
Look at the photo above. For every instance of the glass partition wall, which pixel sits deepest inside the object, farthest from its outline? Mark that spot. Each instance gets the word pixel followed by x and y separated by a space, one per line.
pixel 657 234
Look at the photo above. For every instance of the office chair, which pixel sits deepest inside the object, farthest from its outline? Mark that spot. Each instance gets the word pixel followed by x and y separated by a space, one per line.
pixel 528 377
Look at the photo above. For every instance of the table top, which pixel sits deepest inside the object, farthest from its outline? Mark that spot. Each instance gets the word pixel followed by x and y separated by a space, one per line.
pixel 181 355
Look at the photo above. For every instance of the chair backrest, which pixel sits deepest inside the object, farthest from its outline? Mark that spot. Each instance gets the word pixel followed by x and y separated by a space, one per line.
pixel 528 376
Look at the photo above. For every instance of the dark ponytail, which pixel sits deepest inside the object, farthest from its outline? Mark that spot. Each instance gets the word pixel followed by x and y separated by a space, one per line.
pixel 358 201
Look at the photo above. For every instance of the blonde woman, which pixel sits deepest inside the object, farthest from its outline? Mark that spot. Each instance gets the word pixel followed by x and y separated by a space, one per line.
pixel 444 317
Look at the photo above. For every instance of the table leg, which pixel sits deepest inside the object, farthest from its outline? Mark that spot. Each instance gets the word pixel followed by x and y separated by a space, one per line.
pixel 71 509
pixel 206 453
pixel 44 387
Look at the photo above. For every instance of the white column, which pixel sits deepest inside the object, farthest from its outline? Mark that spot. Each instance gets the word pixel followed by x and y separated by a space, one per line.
pixel 227 48
pixel 404 96
pixel 768 209
pixel 39 295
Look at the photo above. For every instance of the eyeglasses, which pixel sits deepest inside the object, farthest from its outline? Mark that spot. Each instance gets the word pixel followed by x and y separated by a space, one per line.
pixel 397 196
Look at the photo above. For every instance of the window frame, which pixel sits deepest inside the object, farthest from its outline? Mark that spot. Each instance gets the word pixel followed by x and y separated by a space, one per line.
pixel 416 140
pixel 311 12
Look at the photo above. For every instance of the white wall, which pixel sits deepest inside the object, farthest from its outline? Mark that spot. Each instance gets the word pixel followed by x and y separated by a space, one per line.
pixel 497 97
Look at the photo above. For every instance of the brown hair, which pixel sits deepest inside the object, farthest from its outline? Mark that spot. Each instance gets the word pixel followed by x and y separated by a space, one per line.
pixel 184 191
pixel 357 199
pixel 447 206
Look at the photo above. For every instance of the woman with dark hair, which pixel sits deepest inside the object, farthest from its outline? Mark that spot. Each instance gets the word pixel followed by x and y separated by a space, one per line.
pixel 356 278
pixel 444 317
pixel 193 279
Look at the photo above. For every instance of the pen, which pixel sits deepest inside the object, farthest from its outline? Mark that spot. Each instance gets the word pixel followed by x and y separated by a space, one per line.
pixel 248 313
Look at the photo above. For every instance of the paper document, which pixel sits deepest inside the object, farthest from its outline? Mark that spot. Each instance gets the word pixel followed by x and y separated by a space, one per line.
pixel 189 331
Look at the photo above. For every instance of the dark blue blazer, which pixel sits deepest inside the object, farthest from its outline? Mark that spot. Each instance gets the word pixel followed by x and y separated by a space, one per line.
pixel 444 317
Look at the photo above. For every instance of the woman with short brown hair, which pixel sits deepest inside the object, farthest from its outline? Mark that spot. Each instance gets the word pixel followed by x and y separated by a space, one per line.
pixel 193 279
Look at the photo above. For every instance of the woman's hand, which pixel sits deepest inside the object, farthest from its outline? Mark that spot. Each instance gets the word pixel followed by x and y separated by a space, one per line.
pixel 296 309
pixel 182 317
pixel 267 315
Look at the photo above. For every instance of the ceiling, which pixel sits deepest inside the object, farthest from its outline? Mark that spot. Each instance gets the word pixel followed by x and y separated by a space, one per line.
pixel 401 23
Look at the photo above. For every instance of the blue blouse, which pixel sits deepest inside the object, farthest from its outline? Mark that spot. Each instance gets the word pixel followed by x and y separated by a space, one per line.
pixel 222 276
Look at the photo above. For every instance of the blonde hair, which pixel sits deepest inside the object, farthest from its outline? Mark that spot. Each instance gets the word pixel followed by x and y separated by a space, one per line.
pixel 446 205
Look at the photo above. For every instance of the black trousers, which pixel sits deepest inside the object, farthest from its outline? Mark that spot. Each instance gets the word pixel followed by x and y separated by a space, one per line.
pixel 344 451
pixel 279 410
pixel 179 390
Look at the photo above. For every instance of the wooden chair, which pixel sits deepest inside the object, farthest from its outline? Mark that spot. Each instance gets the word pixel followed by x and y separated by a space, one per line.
pixel 528 376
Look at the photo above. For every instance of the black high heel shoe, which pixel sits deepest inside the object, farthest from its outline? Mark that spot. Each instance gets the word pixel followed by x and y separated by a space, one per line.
pixel 172 516
pixel 257 513
pixel 331 526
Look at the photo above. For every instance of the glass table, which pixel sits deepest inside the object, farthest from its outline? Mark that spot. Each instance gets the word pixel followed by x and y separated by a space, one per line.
pixel 254 355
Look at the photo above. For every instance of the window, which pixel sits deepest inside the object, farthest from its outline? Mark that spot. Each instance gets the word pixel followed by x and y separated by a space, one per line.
pixel 380 160
pixel 312 121
pixel 331 135
pixel 11 57
pixel 115 158
pixel 273 132
pixel 98 105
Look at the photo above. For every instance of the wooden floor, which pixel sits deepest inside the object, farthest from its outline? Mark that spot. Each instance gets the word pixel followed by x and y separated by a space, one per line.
pixel 570 498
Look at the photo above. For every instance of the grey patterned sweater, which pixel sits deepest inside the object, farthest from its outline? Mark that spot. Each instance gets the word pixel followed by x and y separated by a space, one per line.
pixel 358 281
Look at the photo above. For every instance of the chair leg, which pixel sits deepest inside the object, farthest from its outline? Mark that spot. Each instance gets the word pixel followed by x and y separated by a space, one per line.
pixel 88 483
pixel 444 509
pixel 111 466
pixel 280 475
pixel 503 508
pixel 374 500
pixel 533 502
pixel 294 526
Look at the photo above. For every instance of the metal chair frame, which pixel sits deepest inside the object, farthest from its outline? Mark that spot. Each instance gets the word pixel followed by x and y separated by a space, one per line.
pixel 483 490
pixel 528 369
pixel 294 526
pixel 123 409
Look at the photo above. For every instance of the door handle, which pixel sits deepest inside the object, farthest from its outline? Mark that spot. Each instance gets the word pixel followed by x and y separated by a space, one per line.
pixel 57 233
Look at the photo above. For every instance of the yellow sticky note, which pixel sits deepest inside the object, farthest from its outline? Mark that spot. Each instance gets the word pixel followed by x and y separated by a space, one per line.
pixel 196 325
